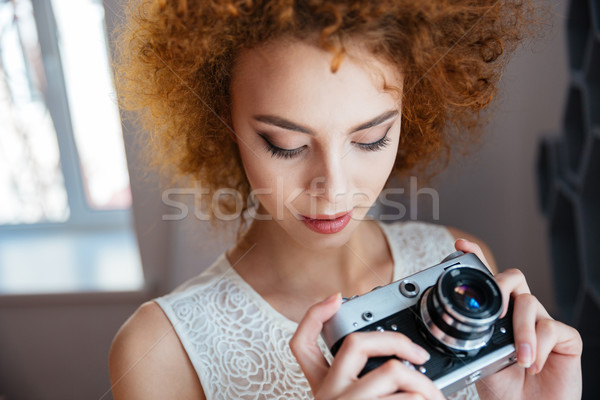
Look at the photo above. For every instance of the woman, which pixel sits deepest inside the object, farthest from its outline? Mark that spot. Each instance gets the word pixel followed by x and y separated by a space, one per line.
pixel 308 109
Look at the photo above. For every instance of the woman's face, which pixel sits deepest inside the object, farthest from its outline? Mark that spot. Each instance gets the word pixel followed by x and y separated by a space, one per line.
pixel 312 142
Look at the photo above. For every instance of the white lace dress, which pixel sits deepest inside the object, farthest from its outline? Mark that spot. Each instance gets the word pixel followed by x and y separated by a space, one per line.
pixel 239 344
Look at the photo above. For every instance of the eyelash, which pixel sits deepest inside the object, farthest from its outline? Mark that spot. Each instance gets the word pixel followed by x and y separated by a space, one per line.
pixel 287 154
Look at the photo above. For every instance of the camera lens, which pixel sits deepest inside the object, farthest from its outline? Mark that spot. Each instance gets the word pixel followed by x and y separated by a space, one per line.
pixel 460 310
pixel 467 297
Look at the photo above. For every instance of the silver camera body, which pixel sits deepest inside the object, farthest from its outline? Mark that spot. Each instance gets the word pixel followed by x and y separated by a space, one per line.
pixel 451 309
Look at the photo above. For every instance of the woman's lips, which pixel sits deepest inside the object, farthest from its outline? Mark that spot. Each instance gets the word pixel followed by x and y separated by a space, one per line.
pixel 328 223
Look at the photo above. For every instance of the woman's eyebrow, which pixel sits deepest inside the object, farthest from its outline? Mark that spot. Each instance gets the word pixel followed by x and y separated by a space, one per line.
pixel 292 126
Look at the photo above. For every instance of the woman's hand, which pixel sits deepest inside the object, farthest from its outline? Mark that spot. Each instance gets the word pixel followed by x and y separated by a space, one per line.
pixel 340 380
pixel 548 351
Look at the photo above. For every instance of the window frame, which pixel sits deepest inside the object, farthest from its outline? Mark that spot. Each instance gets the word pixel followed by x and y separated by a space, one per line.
pixel 81 214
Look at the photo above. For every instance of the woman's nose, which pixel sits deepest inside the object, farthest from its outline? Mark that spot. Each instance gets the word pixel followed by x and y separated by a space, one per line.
pixel 331 181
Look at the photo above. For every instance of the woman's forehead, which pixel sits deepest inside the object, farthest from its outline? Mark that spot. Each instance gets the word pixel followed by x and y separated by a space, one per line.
pixel 297 76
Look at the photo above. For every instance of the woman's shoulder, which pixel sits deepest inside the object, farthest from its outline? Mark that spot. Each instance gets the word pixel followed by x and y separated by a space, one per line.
pixel 147 352
pixel 424 228
pixel 429 237
pixel 414 227
pixel 419 234
pixel 147 360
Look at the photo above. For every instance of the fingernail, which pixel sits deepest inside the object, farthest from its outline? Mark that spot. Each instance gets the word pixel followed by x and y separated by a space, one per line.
pixel 524 355
pixel 422 352
pixel 332 298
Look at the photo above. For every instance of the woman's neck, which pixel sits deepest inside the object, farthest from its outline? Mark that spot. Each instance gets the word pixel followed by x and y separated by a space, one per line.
pixel 276 266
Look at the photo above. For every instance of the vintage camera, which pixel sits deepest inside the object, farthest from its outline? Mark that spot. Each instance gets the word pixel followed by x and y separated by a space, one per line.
pixel 451 309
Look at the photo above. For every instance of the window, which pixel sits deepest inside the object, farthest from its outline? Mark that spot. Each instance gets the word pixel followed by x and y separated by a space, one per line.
pixel 65 221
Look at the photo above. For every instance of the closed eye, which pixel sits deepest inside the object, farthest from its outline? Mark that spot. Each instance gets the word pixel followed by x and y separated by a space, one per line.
pixel 378 145
pixel 278 152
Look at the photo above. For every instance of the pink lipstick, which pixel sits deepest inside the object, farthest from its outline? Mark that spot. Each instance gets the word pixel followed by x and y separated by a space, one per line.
pixel 328 223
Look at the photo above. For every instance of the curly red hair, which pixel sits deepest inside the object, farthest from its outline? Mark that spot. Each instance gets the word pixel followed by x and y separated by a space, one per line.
pixel 174 60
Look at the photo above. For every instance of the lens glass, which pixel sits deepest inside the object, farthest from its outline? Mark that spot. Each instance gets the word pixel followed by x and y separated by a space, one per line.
pixel 470 292
pixel 468 297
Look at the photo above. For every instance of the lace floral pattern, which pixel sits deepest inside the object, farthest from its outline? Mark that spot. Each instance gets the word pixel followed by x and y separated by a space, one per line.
pixel 239 345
